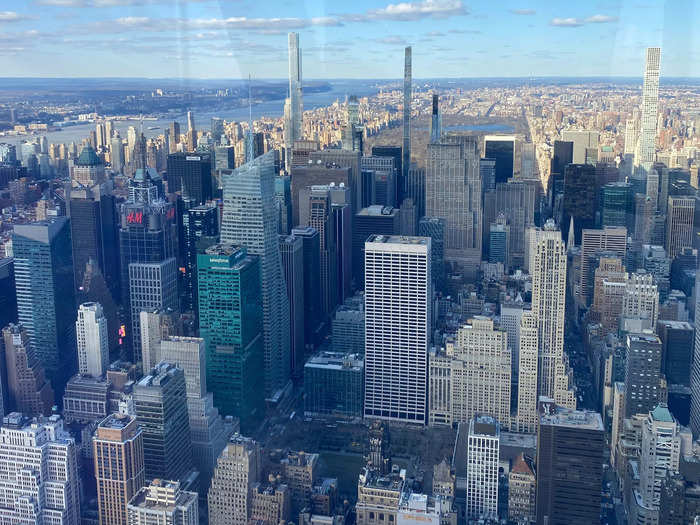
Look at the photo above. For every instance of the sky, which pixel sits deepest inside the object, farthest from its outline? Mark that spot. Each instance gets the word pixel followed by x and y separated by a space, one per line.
pixel 340 39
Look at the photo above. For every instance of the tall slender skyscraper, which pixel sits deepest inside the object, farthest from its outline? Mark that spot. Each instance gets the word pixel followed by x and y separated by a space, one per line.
pixel 250 220
pixel 548 304
pixel 397 327
pixel 294 109
pixel 646 149
pixel 407 74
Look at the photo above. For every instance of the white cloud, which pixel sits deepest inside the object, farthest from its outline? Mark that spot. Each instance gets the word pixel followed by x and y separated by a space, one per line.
pixel 11 16
pixel 392 40
pixel 411 11
pixel 600 19
pixel 578 22
pixel 523 12
pixel 565 22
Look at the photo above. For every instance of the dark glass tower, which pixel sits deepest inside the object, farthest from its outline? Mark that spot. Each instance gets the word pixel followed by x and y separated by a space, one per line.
pixel 569 466
pixel 200 224
pixel 231 324
pixel 503 152
pixel 579 199
pixel 46 294
pixel 93 216
pixel 190 173
pixel 147 243
pixel 312 292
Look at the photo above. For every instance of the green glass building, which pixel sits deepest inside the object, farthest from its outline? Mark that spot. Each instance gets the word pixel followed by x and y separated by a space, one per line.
pixel 231 323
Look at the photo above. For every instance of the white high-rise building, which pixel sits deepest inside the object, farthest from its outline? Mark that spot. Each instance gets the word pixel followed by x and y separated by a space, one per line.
pixel 250 220
pixel 646 148
pixel 397 327
pixel 163 502
pixel 482 468
pixel 526 420
pixel 641 299
pixel 473 374
pixel 92 340
pixel 39 465
pixel 548 303
pixel 660 453
pixel 294 106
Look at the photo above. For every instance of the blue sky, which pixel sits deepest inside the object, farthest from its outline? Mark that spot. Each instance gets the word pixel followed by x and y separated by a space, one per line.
pixel 358 39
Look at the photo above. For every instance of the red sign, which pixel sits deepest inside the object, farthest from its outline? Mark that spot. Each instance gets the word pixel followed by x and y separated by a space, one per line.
pixel 134 217
pixel 170 214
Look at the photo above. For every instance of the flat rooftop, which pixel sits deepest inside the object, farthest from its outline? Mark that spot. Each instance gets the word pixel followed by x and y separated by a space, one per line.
pixel 566 417
pixel 399 239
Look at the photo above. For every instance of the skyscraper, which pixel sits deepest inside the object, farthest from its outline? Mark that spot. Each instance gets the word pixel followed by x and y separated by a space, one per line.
pixel 580 198
pixel 435 124
pixel 208 434
pixel 28 391
pixel 46 294
pixel 397 327
pixel 40 481
pixel 548 304
pixel 695 371
pixel 482 467
pixel 453 192
pixel 92 340
pixel 292 251
pixel 160 403
pixel 93 219
pixel 315 211
pixel 312 292
pixel 119 466
pixel 642 373
pixel 230 497
pixel 660 453
pixel 201 227
pixel 250 220
pixel 679 224
pixel 501 148
pixel 472 377
pixel 645 155
pixel 407 96
pixel 293 124
pixel 231 324
pixel 147 241
pixel 191 174
pixel 163 502
pixel 526 419
pixel 569 465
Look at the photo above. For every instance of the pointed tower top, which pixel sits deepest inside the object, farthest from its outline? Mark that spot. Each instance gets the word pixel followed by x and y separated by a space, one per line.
pixel 570 241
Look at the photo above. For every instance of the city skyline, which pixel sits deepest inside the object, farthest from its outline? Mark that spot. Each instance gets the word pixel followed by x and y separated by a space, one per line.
pixel 207 39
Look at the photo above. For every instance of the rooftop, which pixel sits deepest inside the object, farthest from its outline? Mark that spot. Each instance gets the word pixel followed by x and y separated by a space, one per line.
pixel 88 157
pixel 377 210
pixel 116 421
pixel 566 417
pixel 399 239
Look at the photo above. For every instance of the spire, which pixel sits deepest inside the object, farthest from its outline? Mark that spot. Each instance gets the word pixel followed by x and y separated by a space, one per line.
pixel 570 242
pixel 249 150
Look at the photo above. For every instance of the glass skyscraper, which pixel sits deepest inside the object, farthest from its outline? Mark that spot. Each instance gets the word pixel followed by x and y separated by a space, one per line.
pixel 250 220
pixel 46 294
pixel 231 322
pixel 147 241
